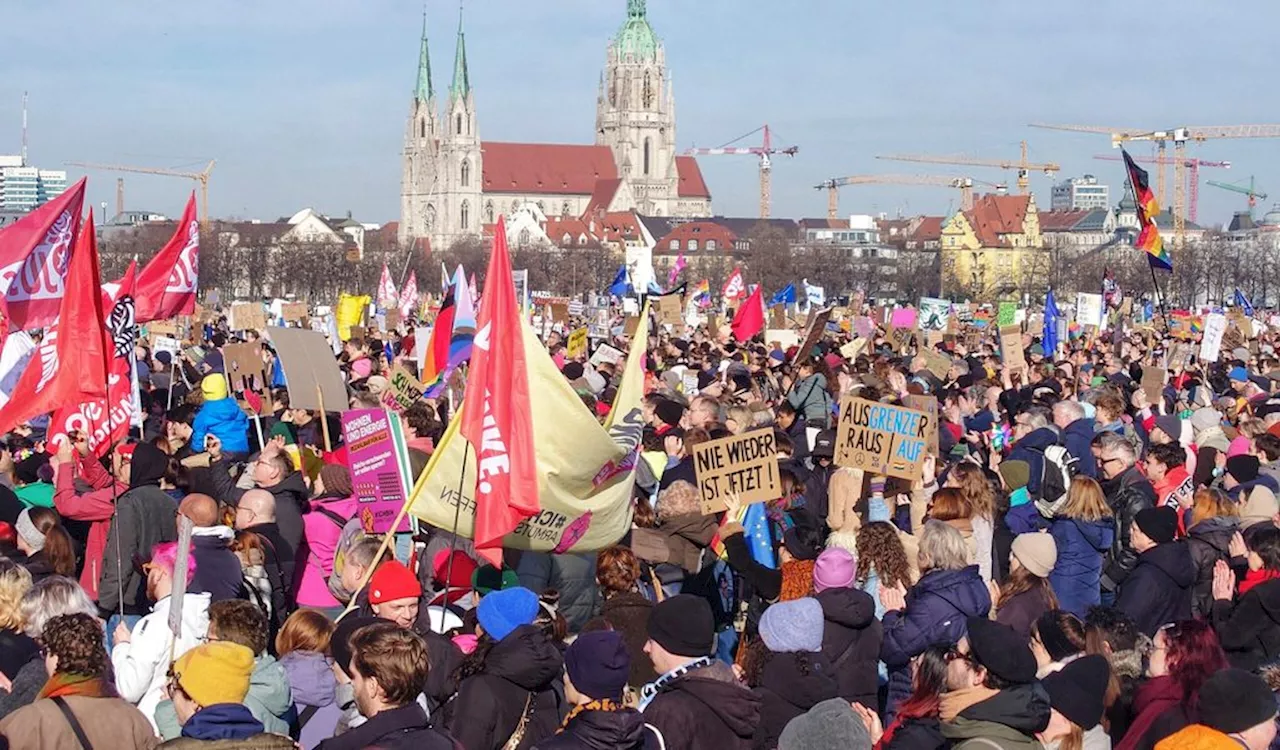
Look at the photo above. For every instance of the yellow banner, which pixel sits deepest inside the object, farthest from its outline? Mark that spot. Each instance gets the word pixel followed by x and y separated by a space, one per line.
pixel 350 312
pixel 586 471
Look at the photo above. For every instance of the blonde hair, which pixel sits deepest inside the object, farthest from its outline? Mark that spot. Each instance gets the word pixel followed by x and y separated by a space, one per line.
pixel 15 582
pixel 1209 503
pixel 976 489
pixel 1086 500
pixel 942 548
pixel 51 597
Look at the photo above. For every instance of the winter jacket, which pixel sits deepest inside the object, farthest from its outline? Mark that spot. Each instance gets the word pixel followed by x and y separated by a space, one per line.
pixel 95 507
pixel 141 665
pixel 1077 438
pixel 519 671
pixel 1082 548
pixel 226 726
pixel 268 700
pixel 16 649
pixel 403 728
pixel 688 535
pixel 1126 494
pixel 573 575
pixel 1249 628
pixel 1151 700
pixel 1031 449
pixel 1209 542
pixel 1009 719
pixel 290 493
pixel 146 517
pixel 27 683
pixel 321 533
pixel 1158 591
pixel 1199 737
pixel 278 563
pixel 1176 483
pixel 917 734
pixel 314 688
pixel 628 613
pixel 705 709
pixel 106 723
pixel 225 420
pixel 851 638
pixel 790 685
pixel 217 568
pixel 1021 611
pixel 604 730
pixel 937 607
pixel 1263 480
pixel 36 494
pixel 799 436
pixel 810 398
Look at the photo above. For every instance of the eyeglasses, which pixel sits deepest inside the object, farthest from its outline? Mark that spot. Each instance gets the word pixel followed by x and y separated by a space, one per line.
pixel 955 653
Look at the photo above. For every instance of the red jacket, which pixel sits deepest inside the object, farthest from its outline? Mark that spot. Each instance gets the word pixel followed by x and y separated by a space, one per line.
pixel 96 506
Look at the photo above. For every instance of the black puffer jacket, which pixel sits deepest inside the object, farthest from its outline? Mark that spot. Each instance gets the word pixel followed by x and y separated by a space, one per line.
pixel 1126 494
pixel 1158 591
pixel 1249 628
pixel 851 643
pixel 604 730
pixel 790 685
pixel 705 709
pixel 1209 542
pixel 519 671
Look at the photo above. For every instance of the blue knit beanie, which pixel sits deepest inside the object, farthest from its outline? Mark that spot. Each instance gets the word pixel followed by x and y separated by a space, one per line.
pixel 1238 373
pixel 787 627
pixel 503 611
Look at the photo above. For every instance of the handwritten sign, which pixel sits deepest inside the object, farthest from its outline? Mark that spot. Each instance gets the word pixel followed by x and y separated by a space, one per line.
pixel 577 344
pixel 403 390
pixel 899 338
pixel 1215 326
pixel 1153 384
pixel 245 368
pixel 882 438
pixel 1006 314
pixel 669 310
pixel 936 363
pixel 928 405
pixel 1011 347
pixel 294 312
pixel 817 326
pixel 744 465
pixel 631 325
pixel 851 350
pixel 247 316
pixel 606 354
pixel 778 316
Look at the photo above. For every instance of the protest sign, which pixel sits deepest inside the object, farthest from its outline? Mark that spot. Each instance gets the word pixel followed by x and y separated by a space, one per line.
pixel 851 350
pixel 630 325
pixel 669 310
pixel 244 366
pixel 1215 325
pixel 745 465
pixel 577 344
pixel 934 313
pixel 1011 347
pixel 606 354
pixel 157 328
pixel 1179 356
pixel 294 312
pixel 376 473
pixel 899 338
pixel 403 390
pixel 928 405
pixel 817 325
pixel 936 363
pixel 864 326
pixel 247 316
pixel 166 344
pixel 778 316
pixel 784 338
pixel 1233 338
pixel 1089 309
pixel 881 438
pixel 1153 384
pixel 903 317
pixel 391 320
pixel 310 369
pixel 560 312
pixel 1006 314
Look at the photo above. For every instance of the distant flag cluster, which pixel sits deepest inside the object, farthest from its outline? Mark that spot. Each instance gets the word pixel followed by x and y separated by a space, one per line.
pixel 1148 235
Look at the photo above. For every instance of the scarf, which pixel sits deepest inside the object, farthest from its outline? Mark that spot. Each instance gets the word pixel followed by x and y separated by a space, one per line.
pixel 955 702
pixel 603 704
pixel 62 684
pixel 797 580
pixel 1255 577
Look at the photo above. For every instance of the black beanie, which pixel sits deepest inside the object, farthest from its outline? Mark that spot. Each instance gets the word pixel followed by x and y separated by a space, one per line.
pixel 669 412
pixel 340 642
pixel 572 370
pixel 598 664
pixel 1243 468
pixel 1076 691
pixel 1161 524
pixel 683 625
pixel 1001 651
pixel 1233 700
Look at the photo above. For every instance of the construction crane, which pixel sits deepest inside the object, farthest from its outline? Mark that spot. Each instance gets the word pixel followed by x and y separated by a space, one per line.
pixel 1022 166
pixel 1179 136
pixel 1193 176
pixel 201 177
pixel 764 151
pixel 965 184
pixel 1253 194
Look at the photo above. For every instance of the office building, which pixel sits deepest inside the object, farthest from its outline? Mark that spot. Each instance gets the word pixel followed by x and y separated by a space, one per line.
pixel 1080 194
pixel 24 187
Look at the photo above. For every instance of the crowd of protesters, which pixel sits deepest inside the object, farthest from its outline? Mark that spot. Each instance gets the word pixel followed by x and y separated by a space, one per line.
pixel 1082 562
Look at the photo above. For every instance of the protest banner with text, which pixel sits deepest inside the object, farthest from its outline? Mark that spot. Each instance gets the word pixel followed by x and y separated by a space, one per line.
pixel 881 438
pixel 745 465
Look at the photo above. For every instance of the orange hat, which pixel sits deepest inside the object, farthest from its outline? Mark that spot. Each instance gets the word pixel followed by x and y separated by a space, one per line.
pixel 391 581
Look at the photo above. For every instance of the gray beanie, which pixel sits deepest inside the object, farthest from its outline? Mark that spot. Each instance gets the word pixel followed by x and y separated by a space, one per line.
pixel 830 725
pixel 788 627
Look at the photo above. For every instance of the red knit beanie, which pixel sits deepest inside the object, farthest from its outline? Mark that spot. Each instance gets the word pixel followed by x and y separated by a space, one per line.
pixel 391 581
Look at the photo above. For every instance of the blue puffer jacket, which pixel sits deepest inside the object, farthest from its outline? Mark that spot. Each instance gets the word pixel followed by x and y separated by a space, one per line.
pixel 226 421
pixel 1077 439
pixel 1031 449
pixel 937 607
pixel 1082 547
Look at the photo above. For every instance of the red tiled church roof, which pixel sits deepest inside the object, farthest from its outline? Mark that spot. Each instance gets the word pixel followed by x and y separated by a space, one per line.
pixel 995 215
pixel 603 195
pixel 550 168
pixel 691 183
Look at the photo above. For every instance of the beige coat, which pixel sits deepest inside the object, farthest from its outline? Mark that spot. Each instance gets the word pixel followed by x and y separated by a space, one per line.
pixel 107 723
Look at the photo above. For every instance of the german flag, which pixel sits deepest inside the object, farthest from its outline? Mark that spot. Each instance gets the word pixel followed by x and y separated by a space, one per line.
pixel 1148 208
pixel 1149 241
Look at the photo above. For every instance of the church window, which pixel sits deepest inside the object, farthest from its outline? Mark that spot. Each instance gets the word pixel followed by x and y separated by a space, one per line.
pixel 711 245
pixel 488 212
pixel 466 173
pixel 675 244
pixel 693 244
pixel 648 90
pixel 457 127
pixel 525 237
pixel 466 215
pixel 431 217
pixel 422 128
pixel 648 145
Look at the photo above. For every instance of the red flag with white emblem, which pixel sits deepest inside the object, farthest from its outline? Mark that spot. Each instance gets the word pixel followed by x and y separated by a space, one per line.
pixel 167 284
pixel 735 287
pixel 33 261
pixel 496 415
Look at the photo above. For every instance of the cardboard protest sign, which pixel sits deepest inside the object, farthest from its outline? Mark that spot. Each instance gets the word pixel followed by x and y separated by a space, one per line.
pixel 560 312
pixel 157 328
pixel 1006 314
pixel 244 366
pixel 403 390
pixel 899 338
pixel 934 313
pixel 294 312
pixel 851 350
pixel 1233 338
pixel 784 338
pixel 881 438
pixel 630 325
pixel 670 310
pixel 817 325
pixel 606 354
pixel 744 465
pixel 577 344
pixel 376 472
pixel 928 405
pixel 936 363
pixel 778 316
pixel 391 320
pixel 1215 326
pixel 310 369
pixel 1011 347
pixel 246 316
pixel 1153 384
pixel 1179 356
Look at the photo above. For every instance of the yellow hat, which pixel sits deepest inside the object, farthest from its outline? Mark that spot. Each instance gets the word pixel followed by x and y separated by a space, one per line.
pixel 214 673
pixel 214 387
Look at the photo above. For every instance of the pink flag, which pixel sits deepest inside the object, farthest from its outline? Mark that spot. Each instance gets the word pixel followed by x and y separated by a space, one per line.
pixel 409 295
pixel 387 296
pixel 675 271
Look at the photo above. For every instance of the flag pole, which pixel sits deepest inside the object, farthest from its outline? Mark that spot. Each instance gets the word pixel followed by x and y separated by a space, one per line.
pixel 457 518
pixel 1159 297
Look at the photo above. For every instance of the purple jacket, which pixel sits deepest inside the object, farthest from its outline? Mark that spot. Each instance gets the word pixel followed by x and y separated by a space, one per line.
pixel 313 684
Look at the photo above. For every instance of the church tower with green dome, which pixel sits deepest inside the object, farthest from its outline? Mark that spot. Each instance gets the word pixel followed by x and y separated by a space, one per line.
pixel 636 114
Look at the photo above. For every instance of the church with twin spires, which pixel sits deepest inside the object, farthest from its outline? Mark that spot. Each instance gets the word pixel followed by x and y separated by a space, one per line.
pixel 455 184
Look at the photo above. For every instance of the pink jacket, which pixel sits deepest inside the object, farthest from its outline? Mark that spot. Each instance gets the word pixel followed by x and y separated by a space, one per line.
pixel 96 506
pixel 322 533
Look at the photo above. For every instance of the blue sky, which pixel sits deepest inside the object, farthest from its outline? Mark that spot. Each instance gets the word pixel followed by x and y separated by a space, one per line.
pixel 304 103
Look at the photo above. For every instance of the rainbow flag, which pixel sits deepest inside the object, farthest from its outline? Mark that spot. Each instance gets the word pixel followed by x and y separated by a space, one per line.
pixel 702 293
pixel 451 340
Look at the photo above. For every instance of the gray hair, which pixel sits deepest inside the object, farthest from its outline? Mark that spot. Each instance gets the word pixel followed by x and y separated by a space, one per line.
pixel 1037 417
pixel 942 548
pixel 1114 441
pixel 52 597
pixel 1069 409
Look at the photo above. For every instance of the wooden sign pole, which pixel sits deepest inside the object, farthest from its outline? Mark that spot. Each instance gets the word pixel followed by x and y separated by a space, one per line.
pixel 324 420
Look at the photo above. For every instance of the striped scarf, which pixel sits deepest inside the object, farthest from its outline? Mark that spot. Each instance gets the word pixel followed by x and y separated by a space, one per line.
pixel 603 704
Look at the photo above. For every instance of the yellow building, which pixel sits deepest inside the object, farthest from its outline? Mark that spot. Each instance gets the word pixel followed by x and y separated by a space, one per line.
pixel 994 250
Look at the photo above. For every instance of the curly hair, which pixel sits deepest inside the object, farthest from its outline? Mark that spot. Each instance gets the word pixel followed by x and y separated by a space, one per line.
pixel 15 582
pixel 239 621
pixel 77 641
pixel 880 551
pixel 617 570
pixel 680 498
pixel 975 488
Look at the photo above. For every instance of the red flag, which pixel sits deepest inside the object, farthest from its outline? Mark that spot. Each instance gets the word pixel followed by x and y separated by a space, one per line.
pixel 33 261
pixel 734 288
pixel 106 420
pixel 496 418
pixel 749 320
pixel 167 285
pixel 70 364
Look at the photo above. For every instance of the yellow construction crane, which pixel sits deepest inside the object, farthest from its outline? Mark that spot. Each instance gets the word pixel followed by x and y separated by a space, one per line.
pixel 965 184
pixel 1022 166
pixel 201 177
pixel 1179 137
